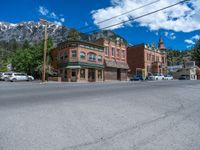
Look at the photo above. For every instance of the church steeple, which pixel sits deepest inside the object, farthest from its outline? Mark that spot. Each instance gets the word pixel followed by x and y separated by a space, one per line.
pixel 161 44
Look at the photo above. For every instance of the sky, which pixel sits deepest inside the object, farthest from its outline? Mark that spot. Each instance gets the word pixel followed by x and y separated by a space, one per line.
pixel 179 25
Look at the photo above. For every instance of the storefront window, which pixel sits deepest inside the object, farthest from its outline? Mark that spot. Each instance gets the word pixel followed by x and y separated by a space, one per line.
pixel 82 55
pixel 82 73
pixel 100 74
pixel 73 73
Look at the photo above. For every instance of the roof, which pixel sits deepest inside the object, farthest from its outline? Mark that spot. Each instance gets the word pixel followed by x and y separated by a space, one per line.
pixel 81 42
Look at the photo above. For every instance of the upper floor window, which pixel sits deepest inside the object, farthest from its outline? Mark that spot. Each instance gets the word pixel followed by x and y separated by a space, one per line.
pixel 113 52
pixel 61 56
pixel 107 50
pixel 65 54
pixel 99 58
pixel 82 55
pixel 118 53
pixel 153 57
pixel 163 59
pixel 91 56
pixel 74 53
pixel 123 54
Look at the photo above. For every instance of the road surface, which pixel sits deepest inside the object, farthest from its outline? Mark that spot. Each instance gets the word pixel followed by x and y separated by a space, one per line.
pixel 160 115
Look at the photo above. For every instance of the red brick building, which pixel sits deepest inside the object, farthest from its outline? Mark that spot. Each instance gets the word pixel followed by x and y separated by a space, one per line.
pixel 116 66
pixel 79 61
pixel 147 59
pixel 83 61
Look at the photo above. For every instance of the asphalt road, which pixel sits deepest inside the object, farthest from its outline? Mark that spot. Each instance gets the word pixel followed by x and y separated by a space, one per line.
pixel 163 115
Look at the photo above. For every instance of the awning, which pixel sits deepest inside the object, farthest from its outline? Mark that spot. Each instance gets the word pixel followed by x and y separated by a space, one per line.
pixel 73 67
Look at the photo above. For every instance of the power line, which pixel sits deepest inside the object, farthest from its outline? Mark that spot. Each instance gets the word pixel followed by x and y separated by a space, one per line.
pixel 132 19
pixel 87 26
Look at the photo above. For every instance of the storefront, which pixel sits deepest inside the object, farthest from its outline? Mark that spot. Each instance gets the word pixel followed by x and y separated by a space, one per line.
pixel 85 72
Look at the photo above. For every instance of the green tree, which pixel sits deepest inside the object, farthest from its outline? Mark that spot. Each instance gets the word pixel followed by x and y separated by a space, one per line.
pixel 196 53
pixel 26 44
pixel 30 59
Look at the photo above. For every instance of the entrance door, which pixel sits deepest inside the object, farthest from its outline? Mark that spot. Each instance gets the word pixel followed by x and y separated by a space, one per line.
pixel 73 75
pixel 91 75
pixel 118 74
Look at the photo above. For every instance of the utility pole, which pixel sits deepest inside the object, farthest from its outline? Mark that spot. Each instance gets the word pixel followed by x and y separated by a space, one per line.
pixel 45 23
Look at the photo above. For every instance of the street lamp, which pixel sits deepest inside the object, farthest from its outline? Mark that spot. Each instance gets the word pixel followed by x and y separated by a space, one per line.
pixel 45 23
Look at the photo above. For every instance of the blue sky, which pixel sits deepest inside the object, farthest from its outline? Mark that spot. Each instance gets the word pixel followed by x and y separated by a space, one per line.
pixel 179 26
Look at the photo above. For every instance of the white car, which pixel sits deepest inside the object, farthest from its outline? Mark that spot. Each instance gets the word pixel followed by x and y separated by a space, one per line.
pixel 156 77
pixel 20 77
pixel 5 76
pixel 168 77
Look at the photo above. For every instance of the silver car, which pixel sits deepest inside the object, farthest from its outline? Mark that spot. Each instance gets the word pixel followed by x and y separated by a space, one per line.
pixel 20 77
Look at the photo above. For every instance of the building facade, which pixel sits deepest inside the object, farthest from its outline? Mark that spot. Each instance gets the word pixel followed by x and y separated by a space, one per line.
pixel 115 62
pixel 147 59
pixel 79 61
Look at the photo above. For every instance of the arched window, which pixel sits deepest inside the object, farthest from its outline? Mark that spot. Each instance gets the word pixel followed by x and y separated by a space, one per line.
pixel 82 55
pixel 92 57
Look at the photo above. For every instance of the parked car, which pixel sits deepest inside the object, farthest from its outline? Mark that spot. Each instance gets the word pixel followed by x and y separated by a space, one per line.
pixel 183 77
pixel 20 77
pixel 5 76
pixel 136 78
pixel 168 77
pixel 156 77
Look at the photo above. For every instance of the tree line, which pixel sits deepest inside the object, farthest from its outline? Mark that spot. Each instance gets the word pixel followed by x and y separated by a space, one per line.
pixel 27 58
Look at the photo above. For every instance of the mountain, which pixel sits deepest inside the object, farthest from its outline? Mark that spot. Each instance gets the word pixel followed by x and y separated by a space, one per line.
pixel 31 31
pixel 34 32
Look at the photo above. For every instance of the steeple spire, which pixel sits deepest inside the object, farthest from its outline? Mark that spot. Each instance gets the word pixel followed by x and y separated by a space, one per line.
pixel 161 44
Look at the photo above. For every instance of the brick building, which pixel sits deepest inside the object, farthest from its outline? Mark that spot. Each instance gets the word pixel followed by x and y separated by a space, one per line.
pixel 115 62
pixel 147 59
pixel 79 61
pixel 105 59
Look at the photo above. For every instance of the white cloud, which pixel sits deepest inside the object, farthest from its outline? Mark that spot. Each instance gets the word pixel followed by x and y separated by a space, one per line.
pixel 43 11
pixel 192 40
pixel 53 15
pixel 189 41
pixel 58 19
pixel 62 19
pixel 183 17
pixel 58 23
pixel 196 37
pixel 170 35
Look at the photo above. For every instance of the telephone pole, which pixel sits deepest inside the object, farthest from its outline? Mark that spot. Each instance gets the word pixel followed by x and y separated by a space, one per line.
pixel 45 23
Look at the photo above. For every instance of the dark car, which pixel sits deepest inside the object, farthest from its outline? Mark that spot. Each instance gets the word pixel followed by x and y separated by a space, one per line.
pixel 183 77
pixel 136 78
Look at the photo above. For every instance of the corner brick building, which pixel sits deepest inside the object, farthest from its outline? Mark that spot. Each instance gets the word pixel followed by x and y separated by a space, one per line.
pixel 147 59
pixel 84 61
pixel 79 61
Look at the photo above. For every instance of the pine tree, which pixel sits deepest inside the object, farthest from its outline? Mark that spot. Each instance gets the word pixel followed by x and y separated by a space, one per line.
pixel 196 53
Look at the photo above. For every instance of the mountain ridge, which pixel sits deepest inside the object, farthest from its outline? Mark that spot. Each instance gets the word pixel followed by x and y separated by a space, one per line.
pixel 33 32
